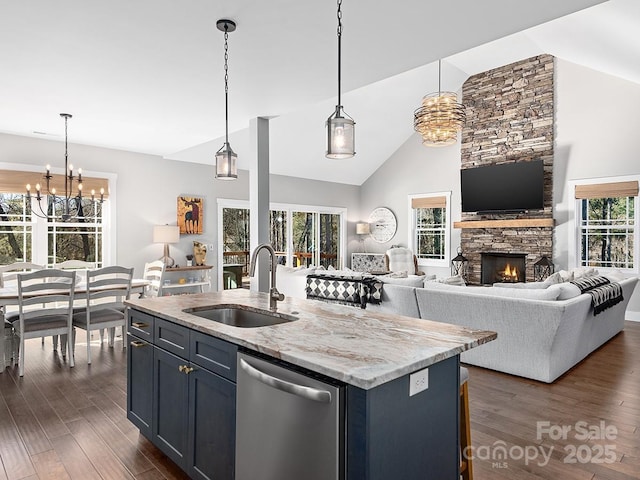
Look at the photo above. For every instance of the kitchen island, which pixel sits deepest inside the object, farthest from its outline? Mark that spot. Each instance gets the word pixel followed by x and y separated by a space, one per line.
pixel 384 432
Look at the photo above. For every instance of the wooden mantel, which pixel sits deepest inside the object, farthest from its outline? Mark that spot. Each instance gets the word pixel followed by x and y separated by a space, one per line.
pixel 517 223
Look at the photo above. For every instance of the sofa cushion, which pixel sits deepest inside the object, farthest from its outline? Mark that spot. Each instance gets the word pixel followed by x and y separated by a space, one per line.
pixel 536 294
pixel 409 281
pixel 614 275
pixel 520 285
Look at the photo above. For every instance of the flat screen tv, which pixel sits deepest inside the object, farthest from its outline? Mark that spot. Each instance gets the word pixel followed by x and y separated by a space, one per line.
pixel 508 187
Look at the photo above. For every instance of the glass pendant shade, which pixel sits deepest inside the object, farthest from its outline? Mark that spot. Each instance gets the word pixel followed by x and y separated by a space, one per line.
pixel 226 163
pixel 340 136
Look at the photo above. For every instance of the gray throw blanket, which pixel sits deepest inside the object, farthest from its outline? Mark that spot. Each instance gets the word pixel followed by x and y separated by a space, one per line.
pixel 604 293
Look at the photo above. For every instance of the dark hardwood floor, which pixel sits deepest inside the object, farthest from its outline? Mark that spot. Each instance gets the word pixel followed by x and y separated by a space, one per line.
pixel 59 422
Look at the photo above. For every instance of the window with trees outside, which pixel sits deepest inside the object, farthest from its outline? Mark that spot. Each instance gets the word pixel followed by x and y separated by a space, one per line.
pixel 299 235
pixel 607 224
pixel 430 225
pixel 27 237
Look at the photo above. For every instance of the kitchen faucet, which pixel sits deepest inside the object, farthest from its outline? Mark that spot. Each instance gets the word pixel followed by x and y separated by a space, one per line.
pixel 274 294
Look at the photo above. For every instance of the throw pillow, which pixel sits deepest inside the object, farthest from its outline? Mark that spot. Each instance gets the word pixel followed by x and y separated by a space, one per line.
pixel 455 280
pixel 402 274
pixel 566 276
pixel 565 290
pixel 580 272
pixel 553 279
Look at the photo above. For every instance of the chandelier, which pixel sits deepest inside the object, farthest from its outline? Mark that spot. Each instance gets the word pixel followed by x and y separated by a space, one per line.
pixel 340 128
pixel 440 117
pixel 226 158
pixel 61 201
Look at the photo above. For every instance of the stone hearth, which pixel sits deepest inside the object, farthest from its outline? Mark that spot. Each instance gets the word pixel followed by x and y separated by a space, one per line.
pixel 510 118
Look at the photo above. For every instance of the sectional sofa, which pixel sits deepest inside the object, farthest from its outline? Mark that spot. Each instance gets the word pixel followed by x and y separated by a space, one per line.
pixel 542 332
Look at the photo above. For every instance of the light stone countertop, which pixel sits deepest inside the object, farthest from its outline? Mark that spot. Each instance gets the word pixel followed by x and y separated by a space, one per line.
pixel 347 343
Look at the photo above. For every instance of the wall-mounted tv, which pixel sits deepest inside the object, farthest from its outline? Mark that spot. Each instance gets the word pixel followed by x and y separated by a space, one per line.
pixel 508 187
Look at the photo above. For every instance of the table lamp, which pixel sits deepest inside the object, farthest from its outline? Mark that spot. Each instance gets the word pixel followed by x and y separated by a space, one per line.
pixel 166 234
pixel 363 229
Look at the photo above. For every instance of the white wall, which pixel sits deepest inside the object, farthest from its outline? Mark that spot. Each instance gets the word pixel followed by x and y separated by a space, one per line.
pixel 597 118
pixel 413 169
pixel 148 187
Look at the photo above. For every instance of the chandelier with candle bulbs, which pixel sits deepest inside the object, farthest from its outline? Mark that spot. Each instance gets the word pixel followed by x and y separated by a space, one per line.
pixel 61 200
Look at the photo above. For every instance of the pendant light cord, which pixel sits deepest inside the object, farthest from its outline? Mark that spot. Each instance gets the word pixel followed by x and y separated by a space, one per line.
pixel 439 76
pixel 339 48
pixel 226 84
pixel 66 161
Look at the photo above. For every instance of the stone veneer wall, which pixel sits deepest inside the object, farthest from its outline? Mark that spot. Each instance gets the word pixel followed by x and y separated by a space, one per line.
pixel 510 118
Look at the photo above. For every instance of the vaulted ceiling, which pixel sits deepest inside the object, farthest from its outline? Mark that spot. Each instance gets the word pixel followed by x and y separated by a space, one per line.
pixel 147 76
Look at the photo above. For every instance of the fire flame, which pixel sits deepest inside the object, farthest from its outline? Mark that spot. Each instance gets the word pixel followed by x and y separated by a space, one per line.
pixel 510 273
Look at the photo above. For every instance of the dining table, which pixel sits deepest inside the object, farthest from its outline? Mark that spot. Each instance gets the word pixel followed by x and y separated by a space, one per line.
pixel 9 296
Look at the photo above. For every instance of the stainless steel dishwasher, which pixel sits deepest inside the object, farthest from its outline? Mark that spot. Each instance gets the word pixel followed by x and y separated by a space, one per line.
pixel 289 425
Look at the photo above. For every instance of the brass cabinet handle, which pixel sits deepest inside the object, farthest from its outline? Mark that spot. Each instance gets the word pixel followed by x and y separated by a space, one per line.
pixel 137 343
pixel 139 324
pixel 185 369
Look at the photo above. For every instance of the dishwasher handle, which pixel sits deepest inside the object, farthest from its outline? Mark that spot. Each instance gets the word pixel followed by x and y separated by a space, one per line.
pixel 309 393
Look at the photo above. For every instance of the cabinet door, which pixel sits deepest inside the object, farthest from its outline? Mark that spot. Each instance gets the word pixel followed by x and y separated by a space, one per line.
pixel 140 384
pixel 170 411
pixel 212 426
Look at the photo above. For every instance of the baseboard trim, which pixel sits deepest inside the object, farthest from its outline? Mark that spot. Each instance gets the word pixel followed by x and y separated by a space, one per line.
pixel 633 316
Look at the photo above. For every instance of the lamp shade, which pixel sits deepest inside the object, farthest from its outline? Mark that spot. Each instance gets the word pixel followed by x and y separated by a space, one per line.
pixel 166 234
pixel 226 163
pixel 363 229
pixel 340 136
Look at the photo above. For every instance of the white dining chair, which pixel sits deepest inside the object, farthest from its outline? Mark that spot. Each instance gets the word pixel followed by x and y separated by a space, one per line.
pixel 45 307
pixel 107 289
pixel 154 274
pixel 8 277
pixel 81 267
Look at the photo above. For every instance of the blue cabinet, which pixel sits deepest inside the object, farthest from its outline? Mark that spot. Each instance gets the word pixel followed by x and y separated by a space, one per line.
pixel 181 394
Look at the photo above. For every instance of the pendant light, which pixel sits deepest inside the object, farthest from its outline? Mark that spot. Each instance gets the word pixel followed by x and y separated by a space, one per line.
pixel 440 117
pixel 67 205
pixel 340 126
pixel 226 158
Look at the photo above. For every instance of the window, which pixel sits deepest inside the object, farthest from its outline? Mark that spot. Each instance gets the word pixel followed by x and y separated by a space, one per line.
pixel 430 225
pixel 300 235
pixel 607 225
pixel 27 235
pixel 77 240
pixel 16 230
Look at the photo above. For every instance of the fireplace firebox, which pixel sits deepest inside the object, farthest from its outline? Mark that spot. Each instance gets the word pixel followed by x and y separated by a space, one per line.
pixel 503 267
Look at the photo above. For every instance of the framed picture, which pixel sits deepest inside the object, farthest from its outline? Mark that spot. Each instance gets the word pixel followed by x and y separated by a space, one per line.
pixel 190 213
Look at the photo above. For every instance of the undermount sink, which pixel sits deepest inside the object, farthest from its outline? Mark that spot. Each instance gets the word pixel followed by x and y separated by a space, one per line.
pixel 240 317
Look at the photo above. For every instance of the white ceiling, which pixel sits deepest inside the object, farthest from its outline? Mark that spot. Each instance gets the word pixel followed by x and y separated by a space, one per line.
pixel 147 75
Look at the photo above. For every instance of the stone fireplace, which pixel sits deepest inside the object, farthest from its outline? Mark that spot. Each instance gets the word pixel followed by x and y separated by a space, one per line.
pixel 503 267
pixel 510 118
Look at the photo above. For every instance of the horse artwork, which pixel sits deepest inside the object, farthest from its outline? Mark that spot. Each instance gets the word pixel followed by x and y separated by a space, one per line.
pixel 190 214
